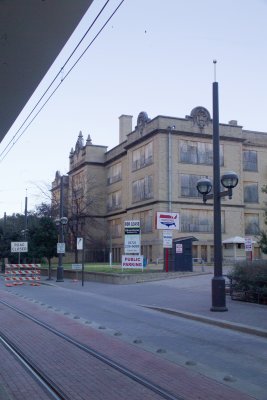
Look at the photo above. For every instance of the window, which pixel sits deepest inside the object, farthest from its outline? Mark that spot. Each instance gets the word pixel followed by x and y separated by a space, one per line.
pixel 114 173
pixel 251 193
pixel 250 160
pixel 198 221
pixel 252 224
pixel 114 200
pixel 188 184
pixel 115 227
pixel 142 189
pixel 146 220
pixel 142 156
pixel 198 152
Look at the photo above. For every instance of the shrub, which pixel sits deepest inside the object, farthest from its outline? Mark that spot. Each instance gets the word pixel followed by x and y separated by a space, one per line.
pixel 250 276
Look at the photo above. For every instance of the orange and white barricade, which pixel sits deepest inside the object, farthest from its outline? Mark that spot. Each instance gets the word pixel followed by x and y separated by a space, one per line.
pixel 18 274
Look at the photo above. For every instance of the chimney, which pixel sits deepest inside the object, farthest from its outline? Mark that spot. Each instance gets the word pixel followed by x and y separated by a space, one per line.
pixel 233 122
pixel 125 126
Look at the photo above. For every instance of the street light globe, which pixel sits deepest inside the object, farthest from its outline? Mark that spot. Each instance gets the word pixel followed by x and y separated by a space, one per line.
pixel 229 179
pixel 57 221
pixel 64 220
pixel 204 186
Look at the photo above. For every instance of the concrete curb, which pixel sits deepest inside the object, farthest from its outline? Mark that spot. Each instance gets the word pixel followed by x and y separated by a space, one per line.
pixel 212 321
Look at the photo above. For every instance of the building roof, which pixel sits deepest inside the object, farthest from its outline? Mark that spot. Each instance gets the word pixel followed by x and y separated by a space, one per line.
pixel 32 35
pixel 235 239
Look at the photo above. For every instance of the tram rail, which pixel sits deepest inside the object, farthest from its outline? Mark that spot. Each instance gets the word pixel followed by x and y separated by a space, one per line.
pixel 51 386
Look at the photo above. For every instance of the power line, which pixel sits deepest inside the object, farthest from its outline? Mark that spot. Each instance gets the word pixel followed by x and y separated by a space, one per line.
pixel 3 154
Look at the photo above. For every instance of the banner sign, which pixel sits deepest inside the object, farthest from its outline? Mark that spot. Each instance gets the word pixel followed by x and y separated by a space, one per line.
pixel 166 220
pixel 60 248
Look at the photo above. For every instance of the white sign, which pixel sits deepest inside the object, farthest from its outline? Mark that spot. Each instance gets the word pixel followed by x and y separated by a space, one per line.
pixel 132 224
pixel 19 247
pixel 248 244
pixel 132 262
pixel 79 243
pixel 179 248
pixel 166 220
pixel 132 237
pixel 132 244
pixel 76 267
pixel 60 248
pixel 167 239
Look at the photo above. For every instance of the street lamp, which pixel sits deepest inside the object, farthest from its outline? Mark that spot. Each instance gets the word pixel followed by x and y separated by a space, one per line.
pixel 229 180
pixel 60 223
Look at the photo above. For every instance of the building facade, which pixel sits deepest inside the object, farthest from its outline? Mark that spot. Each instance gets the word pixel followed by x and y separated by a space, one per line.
pixel 155 168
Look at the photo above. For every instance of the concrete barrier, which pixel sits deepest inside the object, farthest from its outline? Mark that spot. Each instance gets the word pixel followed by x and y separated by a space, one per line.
pixel 118 279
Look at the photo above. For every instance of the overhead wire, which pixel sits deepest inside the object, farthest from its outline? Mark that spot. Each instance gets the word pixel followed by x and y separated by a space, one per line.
pixel 3 154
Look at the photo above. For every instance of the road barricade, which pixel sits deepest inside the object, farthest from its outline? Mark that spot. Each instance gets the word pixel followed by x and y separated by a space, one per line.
pixel 18 274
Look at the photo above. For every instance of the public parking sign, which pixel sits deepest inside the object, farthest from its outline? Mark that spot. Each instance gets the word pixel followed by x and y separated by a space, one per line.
pixel 19 247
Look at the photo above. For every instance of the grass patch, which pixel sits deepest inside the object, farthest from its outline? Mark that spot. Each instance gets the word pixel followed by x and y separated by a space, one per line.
pixel 116 268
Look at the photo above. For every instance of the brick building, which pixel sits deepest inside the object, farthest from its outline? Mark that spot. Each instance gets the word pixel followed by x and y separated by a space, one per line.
pixel 155 167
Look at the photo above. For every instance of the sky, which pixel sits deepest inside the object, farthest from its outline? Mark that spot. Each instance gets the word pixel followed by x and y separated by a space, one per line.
pixel 154 56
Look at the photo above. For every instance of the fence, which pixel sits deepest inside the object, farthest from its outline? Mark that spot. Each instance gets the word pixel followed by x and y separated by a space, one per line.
pixel 18 274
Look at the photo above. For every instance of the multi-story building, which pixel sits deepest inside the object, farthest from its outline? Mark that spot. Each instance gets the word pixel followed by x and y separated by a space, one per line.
pixel 155 168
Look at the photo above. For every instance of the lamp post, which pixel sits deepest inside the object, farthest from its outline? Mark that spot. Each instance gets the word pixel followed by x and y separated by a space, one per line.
pixel 60 223
pixel 229 180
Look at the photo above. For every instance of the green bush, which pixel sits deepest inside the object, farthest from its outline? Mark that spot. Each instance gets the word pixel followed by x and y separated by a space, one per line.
pixel 250 276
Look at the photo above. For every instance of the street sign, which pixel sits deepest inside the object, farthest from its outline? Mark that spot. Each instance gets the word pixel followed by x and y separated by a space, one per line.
pixel 79 243
pixel 167 239
pixel 19 247
pixel 60 248
pixel 76 267
pixel 248 244
pixel 167 220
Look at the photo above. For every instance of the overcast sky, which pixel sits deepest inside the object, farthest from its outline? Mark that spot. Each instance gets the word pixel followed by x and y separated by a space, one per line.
pixel 154 56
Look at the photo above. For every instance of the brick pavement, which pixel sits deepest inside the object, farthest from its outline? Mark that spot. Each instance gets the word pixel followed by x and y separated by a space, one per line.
pixel 15 382
pixel 179 380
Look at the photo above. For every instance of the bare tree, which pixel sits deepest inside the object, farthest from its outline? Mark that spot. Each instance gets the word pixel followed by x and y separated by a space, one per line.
pixel 86 212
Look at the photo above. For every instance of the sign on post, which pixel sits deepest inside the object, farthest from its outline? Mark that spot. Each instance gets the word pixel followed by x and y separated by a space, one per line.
pixel 132 237
pixel 60 248
pixel 79 243
pixel 132 262
pixel 248 244
pixel 167 239
pixel 167 220
pixel 19 247
pixel 76 267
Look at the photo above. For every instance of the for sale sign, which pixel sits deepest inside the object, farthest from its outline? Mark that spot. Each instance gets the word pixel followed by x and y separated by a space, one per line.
pixel 132 237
